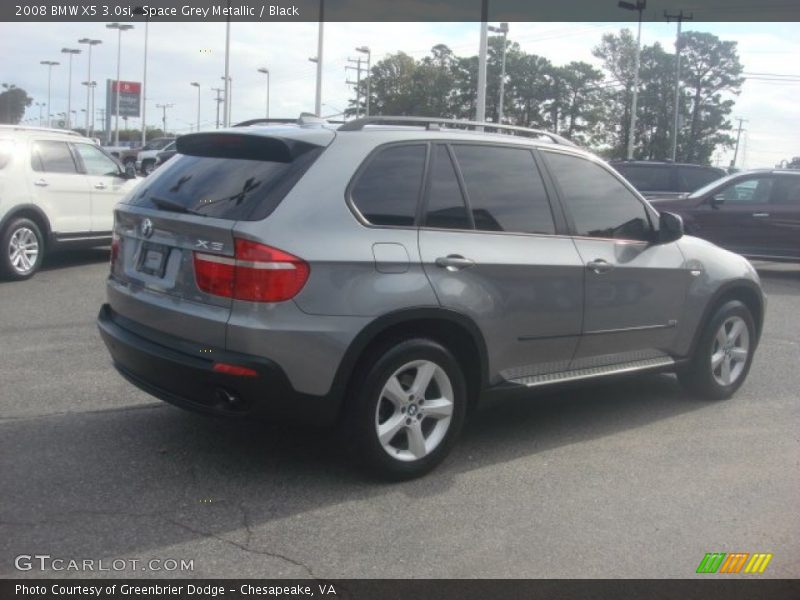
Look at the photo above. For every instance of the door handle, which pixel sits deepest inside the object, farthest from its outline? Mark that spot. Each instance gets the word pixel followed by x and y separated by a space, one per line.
pixel 599 266
pixel 41 183
pixel 100 186
pixel 760 215
pixel 454 262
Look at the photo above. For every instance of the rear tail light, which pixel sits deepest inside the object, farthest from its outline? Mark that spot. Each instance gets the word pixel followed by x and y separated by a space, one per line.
pixel 115 246
pixel 235 370
pixel 258 273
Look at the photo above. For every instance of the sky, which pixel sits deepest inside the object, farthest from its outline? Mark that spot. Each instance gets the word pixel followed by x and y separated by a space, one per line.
pixel 180 53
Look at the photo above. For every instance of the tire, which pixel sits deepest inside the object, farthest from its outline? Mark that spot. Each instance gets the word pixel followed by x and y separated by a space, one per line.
pixel 22 246
pixel 420 425
pixel 148 167
pixel 724 353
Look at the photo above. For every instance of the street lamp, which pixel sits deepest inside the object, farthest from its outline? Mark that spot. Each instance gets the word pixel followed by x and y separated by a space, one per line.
pixel 638 6
pixel 89 43
pixel 226 117
pixel 504 30
pixel 366 50
pixel 197 85
pixel 40 105
pixel 71 52
pixel 90 85
pixel 120 27
pixel 266 72
pixel 50 64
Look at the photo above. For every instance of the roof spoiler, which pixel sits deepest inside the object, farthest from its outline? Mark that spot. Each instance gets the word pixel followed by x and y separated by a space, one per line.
pixel 227 144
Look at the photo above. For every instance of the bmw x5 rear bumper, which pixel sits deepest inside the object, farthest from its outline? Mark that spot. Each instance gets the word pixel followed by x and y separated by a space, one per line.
pixel 166 370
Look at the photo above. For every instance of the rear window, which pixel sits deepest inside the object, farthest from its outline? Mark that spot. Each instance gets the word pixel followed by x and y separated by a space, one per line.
pixel 648 178
pixel 6 152
pixel 226 188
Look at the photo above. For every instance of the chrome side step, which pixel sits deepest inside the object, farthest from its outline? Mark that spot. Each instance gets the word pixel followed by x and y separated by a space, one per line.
pixel 591 372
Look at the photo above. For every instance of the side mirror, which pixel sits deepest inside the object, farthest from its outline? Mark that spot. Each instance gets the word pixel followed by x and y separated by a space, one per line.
pixel 670 227
pixel 130 171
pixel 717 200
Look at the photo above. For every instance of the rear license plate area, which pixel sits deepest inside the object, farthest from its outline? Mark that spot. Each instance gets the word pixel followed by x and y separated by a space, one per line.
pixel 153 259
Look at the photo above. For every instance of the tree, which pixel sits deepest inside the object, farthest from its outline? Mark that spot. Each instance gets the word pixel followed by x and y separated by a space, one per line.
pixel 13 102
pixel 618 53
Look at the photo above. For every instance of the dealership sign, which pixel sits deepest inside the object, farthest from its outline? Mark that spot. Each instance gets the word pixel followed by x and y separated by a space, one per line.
pixel 130 98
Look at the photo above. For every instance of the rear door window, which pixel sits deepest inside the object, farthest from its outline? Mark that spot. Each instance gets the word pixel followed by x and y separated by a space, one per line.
pixel 387 190
pixel 53 157
pixel 445 207
pixel 504 189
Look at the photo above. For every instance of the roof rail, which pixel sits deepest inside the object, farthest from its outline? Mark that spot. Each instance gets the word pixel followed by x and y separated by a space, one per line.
pixel 47 129
pixel 433 123
pixel 305 119
pixel 264 122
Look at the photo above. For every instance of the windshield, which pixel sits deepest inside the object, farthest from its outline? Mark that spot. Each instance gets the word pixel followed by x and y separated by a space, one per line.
pixel 157 144
pixel 710 186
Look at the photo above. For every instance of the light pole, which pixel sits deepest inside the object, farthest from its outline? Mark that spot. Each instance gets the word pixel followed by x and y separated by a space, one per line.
pixel 480 108
pixel 164 108
pixel 366 50
pixel 227 77
pixel 219 101
pixel 266 72
pixel 226 116
pixel 89 43
pixel 50 64
pixel 40 105
pixel 680 18
pixel 71 52
pixel 318 96
pixel 120 27
pixel 504 30
pixel 639 6
pixel 197 85
pixel 90 85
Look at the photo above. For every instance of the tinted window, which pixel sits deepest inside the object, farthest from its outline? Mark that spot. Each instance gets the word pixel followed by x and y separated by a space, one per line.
pixel 504 189
pixel 227 188
pixel 445 206
pixel 693 178
pixel 6 152
pixel 648 178
pixel 95 160
pixel 387 191
pixel 600 205
pixel 787 191
pixel 52 157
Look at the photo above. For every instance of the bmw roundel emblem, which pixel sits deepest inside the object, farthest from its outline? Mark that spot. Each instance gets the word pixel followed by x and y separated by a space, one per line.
pixel 147 228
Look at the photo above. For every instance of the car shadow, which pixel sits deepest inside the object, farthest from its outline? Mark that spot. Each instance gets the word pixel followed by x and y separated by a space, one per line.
pixel 118 482
pixel 75 258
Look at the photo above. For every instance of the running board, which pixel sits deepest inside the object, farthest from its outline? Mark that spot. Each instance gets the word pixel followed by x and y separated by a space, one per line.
pixel 592 372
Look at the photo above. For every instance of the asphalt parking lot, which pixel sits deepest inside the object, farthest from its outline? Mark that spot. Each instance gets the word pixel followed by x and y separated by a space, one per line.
pixel 625 479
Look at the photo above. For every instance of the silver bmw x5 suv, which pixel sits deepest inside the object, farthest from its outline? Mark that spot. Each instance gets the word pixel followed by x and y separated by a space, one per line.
pixel 387 273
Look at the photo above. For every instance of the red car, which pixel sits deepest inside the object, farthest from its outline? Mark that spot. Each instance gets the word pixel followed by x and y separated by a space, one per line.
pixel 753 213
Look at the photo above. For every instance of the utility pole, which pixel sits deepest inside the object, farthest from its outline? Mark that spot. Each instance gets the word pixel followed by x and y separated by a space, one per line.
pixel 504 30
pixel 219 101
pixel 357 82
pixel 368 52
pixel 49 64
pixel 679 18
pixel 738 137
pixel 227 76
pixel 318 97
pixel 164 108
pixel 480 109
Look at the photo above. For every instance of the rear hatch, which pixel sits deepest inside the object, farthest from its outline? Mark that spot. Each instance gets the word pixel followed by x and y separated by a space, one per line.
pixel 188 209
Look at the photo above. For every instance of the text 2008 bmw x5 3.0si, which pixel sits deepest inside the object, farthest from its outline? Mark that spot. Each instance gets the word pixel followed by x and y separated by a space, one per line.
pixel 385 274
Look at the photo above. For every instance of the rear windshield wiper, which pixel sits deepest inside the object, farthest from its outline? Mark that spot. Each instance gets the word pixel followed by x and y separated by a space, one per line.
pixel 165 204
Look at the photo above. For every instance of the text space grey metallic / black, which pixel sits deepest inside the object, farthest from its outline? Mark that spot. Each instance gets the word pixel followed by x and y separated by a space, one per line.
pixel 386 274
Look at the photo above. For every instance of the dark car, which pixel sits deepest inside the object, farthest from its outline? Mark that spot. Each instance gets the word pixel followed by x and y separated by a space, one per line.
pixel 168 152
pixel 665 179
pixel 754 213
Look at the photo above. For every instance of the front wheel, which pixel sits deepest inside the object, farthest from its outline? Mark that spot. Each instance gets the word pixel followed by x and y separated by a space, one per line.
pixel 22 249
pixel 409 409
pixel 723 354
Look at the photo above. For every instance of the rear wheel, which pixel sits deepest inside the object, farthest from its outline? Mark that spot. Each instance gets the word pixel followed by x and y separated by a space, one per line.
pixel 22 249
pixel 723 355
pixel 409 409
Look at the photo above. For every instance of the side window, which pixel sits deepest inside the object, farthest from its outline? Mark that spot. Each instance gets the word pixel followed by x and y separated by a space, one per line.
pixel 648 178
pixel 600 205
pixel 52 157
pixel 387 191
pixel 787 191
pixel 6 152
pixel 504 189
pixel 693 178
pixel 445 206
pixel 95 161
pixel 755 190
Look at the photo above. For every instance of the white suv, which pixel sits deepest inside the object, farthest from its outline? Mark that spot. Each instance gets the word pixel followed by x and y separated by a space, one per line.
pixel 57 190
